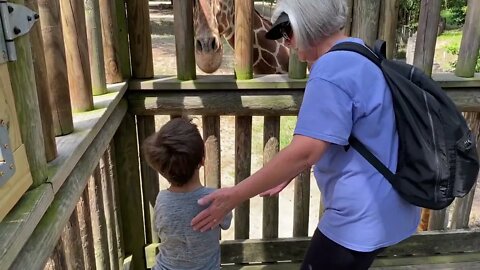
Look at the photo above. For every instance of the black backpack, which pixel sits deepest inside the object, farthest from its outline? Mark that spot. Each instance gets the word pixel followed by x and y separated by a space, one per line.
pixel 437 155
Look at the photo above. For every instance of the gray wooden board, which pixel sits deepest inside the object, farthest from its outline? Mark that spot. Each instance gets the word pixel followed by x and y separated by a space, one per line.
pixel 18 225
pixel 86 126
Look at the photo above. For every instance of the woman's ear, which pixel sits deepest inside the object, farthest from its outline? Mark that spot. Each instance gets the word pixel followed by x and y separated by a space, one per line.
pixel 202 163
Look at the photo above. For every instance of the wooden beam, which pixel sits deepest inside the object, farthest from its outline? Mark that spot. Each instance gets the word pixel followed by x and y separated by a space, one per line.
pixel 365 20
pixel 468 54
pixel 426 243
pixel 184 45
pixel 41 243
pixel 72 243
pixel 126 156
pixel 50 19
pixel 140 38
pixel 211 136
pixel 76 49
pixel 85 224
pixel 95 46
pixel 296 68
pixel 243 155
pixel 387 27
pixel 123 44
pixel 244 39
pixel 111 44
pixel 301 204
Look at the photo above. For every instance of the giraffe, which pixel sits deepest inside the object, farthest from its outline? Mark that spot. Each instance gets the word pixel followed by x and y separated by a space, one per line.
pixel 214 19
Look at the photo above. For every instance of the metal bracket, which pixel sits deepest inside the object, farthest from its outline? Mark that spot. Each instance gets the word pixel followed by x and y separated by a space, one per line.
pixel 15 21
pixel 7 162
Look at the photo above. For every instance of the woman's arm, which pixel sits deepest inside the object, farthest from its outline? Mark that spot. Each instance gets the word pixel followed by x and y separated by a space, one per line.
pixel 301 154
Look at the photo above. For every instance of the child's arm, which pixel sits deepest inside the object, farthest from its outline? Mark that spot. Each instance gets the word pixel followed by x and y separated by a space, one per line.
pixel 226 221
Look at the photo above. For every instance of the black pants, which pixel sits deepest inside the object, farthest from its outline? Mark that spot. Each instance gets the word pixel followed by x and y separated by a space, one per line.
pixel 324 254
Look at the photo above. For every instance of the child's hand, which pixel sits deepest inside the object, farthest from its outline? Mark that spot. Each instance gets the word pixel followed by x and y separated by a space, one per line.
pixel 221 201
pixel 275 190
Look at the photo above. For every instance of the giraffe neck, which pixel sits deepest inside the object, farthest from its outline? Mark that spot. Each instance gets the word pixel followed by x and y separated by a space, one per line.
pixel 269 56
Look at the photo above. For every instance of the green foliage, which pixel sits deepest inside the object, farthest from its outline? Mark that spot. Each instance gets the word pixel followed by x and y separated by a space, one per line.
pixel 454 49
pixel 453 11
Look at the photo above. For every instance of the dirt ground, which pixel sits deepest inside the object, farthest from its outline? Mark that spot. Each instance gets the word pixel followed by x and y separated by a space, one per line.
pixel 163 43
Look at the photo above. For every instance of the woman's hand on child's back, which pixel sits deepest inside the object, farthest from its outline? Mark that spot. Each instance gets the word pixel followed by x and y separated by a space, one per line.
pixel 220 202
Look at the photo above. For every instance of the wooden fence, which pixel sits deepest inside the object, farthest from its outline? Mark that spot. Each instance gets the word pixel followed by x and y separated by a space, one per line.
pixel 91 202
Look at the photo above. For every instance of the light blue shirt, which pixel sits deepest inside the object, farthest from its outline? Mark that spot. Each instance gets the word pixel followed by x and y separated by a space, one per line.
pixel 346 93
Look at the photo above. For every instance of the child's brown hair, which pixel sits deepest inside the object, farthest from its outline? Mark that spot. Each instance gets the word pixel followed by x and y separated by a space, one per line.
pixel 175 151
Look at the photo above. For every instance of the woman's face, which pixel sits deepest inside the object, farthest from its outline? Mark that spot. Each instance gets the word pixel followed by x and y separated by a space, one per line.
pixel 308 55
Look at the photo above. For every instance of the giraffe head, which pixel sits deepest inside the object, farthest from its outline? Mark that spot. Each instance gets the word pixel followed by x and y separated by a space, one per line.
pixel 211 20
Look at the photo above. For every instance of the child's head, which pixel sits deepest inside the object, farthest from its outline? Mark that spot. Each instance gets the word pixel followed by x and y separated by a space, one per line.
pixel 176 151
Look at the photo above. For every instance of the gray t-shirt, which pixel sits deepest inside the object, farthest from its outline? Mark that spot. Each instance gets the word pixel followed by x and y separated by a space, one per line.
pixel 180 246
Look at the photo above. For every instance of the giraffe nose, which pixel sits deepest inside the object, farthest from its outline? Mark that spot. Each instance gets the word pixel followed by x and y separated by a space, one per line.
pixel 206 44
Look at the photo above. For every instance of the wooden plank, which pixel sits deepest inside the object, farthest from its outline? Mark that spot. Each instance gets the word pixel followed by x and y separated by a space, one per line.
pixel 296 68
pixel 126 156
pixel 387 27
pixel 57 260
pixel 123 44
pixel 72 243
pixel 422 244
pixel 110 42
pixel 271 145
pixel 243 39
pixel 427 35
pixel 99 224
pixel 250 102
pixel 43 239
pixel 150 181
pixel 301 204
pixel 41 80
pixel 19 224
pixel 71 147
pixel 365 20
pixel 56 62
pixel 76 49
pixel 184 45
pixel 348 23
pixel 211 136
pixel 468 54
pixel 85 224
pixel 22 77
pixel 95 46
pixel 140 39
pixel 265 82
pixel 107 181
pixel 243 155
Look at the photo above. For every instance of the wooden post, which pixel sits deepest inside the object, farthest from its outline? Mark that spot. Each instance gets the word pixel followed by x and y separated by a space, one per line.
pixel 99 224
pixel 107 181
pixel 365 20
pixel 150 184
pixel 271 144
pixel 76 47
pixel 243 151
pixel 41 80
pixel 50 19
pixel 348 25
pixel 211 136
pixel 468 55
pixel 110 42
pixel 85 226
pixel 72 243
pixel 123 44
pixel 296 69
pixel 427 35
pixel 184 45
pixel 301 204
pixel 24 90
pixel 243 40
pixel 130 191
pixel 57 259
pixel 116 205
pixel 140 39
pixel 387 29
pixel 95 49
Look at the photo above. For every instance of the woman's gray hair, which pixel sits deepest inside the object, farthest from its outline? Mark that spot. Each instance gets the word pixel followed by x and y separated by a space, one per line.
pixel 313 20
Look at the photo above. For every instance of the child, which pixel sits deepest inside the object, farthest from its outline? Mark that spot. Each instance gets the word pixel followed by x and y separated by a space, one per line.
pixel 177 151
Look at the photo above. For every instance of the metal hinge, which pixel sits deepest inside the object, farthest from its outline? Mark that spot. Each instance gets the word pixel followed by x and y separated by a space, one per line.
pixel 15 21
pixel 7 162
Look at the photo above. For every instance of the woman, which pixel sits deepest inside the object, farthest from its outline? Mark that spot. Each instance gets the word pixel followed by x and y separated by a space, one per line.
pixel 345 94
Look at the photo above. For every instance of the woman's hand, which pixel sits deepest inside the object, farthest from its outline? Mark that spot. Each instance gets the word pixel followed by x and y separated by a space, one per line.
pixel 275 190
pixel 220 202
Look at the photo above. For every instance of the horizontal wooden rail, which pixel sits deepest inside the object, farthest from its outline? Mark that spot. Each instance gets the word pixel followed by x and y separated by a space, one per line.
pixel 422 244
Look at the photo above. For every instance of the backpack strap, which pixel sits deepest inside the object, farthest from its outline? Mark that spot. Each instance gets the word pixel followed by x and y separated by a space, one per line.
pixel 376 56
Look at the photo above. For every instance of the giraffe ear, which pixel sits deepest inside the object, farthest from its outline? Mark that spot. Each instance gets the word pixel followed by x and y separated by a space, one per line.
pixel 281 25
